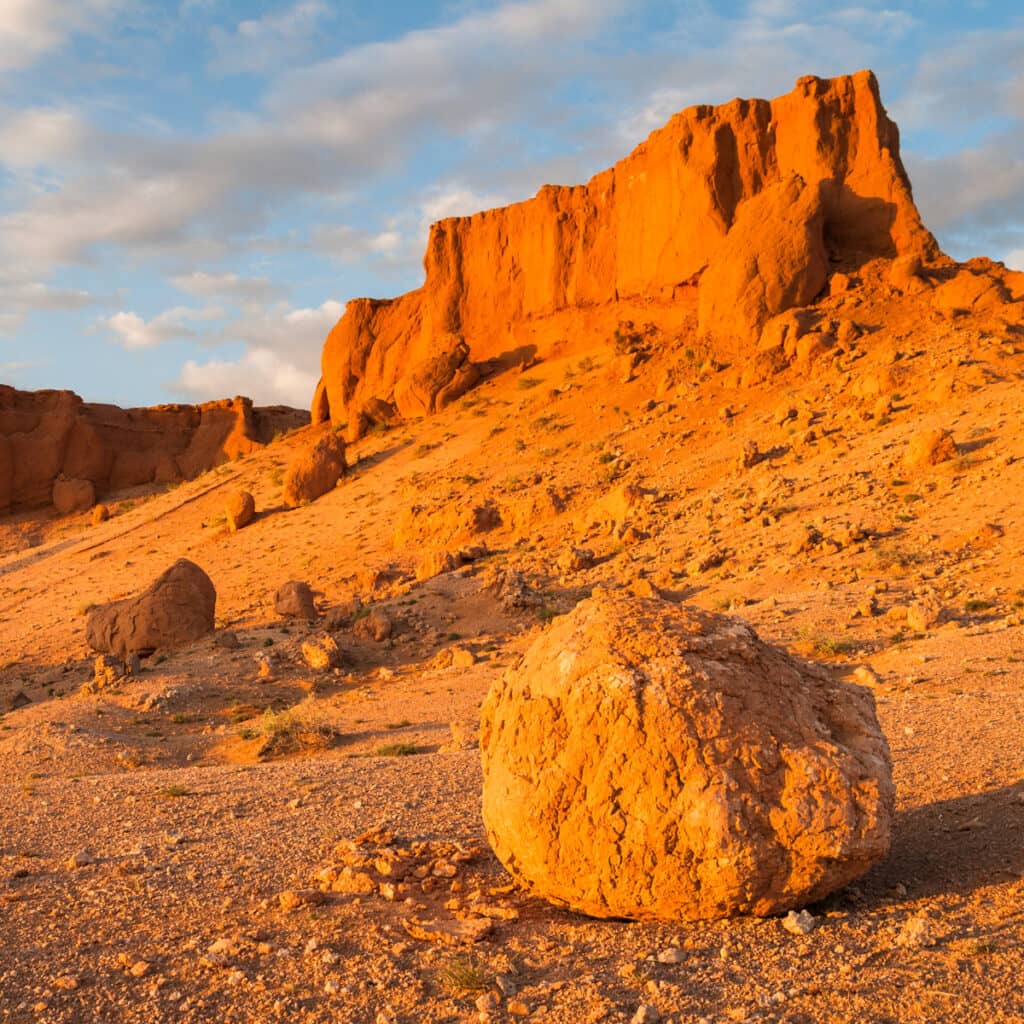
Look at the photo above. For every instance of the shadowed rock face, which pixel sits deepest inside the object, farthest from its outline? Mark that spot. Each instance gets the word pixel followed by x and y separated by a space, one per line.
pixel 46 436
pixel 528 275
pixel 662 763
pixel 178 608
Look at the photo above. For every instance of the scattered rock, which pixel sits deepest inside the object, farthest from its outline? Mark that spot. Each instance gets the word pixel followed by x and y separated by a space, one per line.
pixel 292 899
pixel 929 448
pixel 750 455
pixel 376 625
pixel 294 600
pixel 924 613
pixel 917 932
pixel 239 509
pixel 575 560
pixel 81 859
pixel 315 470
pixel 436 563
pixel 799 923
pixel 672 955
pixel 178 608
pixel 100 514
pixel 644 681
pixel 322 653
pixel 645 1014
pixel 452 933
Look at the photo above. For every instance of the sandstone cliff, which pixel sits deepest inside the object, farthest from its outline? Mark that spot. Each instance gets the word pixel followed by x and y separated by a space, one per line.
pixel 633 241
pixel 50 436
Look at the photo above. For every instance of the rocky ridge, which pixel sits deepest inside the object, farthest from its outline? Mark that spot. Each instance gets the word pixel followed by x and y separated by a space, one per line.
pixel 56 448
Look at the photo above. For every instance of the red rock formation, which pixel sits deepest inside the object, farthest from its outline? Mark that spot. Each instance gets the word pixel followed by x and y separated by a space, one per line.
pixel 45 435
pixel 637 236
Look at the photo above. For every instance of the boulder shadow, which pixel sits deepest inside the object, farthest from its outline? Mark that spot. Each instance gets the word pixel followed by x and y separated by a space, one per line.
pixel 954 846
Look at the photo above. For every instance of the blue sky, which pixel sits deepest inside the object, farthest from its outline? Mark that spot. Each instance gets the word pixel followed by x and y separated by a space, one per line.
pixel 191 189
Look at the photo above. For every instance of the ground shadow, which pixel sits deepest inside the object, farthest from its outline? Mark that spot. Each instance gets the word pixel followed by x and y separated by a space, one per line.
pixel 956 846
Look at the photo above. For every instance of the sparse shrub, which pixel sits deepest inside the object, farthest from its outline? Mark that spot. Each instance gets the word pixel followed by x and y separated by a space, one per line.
pixel 298 728
pixel 977 604
pixel 463 978
pixel 525 383
pixel 175 792
pixel 397 750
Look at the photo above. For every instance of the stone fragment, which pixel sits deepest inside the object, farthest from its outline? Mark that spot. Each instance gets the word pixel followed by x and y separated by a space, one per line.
pixel 178 608
pixel 929 448
pixel 100 514
pixel 652 761
pixel 294 600
pixel 924 614
pixel 376 626
pixel 315 470
pixel 450 933
pixel 239 509
pixel 799 923
pixel 322 653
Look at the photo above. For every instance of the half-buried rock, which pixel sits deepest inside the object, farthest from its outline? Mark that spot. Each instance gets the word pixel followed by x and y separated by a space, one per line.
pixel 658 762
pixel 177 609
pixel 315 470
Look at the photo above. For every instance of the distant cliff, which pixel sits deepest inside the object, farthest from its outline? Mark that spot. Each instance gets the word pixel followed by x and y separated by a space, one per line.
pixel 637 236
pixel 51 436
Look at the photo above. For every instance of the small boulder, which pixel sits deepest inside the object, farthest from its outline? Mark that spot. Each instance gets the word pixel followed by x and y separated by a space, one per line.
pixel 322 653
pixel 73 495
pixel 178 608
pixel 658 762
pixel 436 563
pixel 294 600
pixel 924 613
pixel 239 509
pixel 100 514
pixel 315 470
pixel 375 625
pixel 929 448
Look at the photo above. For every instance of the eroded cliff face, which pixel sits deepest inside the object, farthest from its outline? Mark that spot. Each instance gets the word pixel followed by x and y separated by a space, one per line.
pixel 522 277
pixel 50 435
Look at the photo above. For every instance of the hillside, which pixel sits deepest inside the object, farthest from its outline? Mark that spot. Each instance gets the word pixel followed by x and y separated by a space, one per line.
pixel 165 835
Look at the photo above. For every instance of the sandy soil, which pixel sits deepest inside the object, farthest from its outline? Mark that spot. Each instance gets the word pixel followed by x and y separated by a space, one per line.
pixel 202 797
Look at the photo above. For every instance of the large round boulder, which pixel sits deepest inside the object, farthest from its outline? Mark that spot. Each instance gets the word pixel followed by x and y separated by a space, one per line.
pixel 658 762
pixel 177 609
pixel 315 470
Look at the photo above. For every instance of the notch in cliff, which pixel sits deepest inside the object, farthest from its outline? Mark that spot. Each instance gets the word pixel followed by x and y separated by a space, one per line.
pixel 720 220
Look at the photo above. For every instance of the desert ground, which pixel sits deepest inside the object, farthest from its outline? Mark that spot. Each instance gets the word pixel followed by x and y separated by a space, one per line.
pixel 166 836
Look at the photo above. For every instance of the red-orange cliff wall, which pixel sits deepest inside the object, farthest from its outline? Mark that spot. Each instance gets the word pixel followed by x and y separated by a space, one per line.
pixel 48 434
pixel 637 232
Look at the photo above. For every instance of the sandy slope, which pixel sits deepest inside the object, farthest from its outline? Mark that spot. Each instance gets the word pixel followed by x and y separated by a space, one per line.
pixel 194 833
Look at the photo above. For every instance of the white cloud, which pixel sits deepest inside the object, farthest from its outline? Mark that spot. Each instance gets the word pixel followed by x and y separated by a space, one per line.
pixel 40 136
pixel 31 28
pixel 1015 259
pixel 266 376
pixel 283 328
pixel 263 44
pixel 323 129
pixel 246 290
pixel 132 332
pixel 281 361
pixel 18 299
pixel 456 200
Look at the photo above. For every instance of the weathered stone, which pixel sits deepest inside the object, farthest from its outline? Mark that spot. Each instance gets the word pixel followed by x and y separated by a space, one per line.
pixel 656 762
pixel 294 600
pixel 239 509
pixel 178 608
